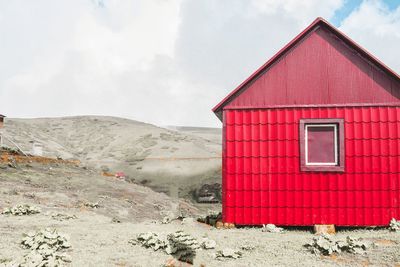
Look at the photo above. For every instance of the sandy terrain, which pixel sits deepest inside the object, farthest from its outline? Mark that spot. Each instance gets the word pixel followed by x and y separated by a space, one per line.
pixel 97 241
pixel 171 161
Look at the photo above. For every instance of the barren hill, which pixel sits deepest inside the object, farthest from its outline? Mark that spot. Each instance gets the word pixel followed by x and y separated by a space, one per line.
pixel 167 160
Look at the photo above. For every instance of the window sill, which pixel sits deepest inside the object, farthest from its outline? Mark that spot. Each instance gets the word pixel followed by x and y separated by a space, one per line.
pixel 309 168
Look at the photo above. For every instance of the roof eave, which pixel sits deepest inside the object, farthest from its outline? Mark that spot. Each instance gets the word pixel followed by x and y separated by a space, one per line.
pixel 218 108
pixel 265 65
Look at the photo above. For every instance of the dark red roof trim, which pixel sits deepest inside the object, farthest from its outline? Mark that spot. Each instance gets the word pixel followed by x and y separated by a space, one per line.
pixel 316 23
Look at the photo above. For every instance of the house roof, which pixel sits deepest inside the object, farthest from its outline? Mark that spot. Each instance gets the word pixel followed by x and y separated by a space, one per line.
pixel 2 116
pixel 319 22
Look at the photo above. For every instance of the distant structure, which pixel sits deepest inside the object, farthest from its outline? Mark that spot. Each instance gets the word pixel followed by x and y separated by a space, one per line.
pixel 1 127
pixel 37 149
pixel 313 137
pixel 2 120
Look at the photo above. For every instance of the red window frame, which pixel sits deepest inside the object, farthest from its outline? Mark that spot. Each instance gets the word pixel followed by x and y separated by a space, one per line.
pixel 339 167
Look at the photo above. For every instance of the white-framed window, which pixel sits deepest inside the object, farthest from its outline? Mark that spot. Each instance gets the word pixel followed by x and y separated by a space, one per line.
pixel 321 144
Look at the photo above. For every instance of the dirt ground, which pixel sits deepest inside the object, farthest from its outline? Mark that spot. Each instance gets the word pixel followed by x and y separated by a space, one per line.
pixel 98 241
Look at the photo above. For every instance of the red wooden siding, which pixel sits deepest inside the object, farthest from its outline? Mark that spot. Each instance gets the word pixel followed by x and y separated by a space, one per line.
pixel 262 181
pixel 320 69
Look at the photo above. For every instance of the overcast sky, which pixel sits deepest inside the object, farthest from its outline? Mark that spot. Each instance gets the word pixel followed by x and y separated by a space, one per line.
pixel 166 62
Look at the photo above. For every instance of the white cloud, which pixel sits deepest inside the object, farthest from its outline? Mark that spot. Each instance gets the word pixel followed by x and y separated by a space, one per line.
pixel 220 43
pixel 376 27
pixel 160 61
pixel 290 8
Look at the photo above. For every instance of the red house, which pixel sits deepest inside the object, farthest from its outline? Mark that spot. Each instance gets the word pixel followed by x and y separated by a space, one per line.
pixel 313 137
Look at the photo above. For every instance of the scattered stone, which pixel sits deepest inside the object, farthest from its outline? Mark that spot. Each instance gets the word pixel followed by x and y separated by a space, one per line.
pixel 394 225
pixel 326 245
pixel 271 228
pixel 12 163
pixel 21 209
pixel 93 205
pixel 5 261
pixel 63 217
pixel 157 206
pixel 228 253
pixel 116 220
pixel 187 221
pixel 208 243
pixel 247 247
pixel 149 240
pixel 47 248
pixel 166 220
pixel 29 195
pixel 133 242
pixel 182 246
pixel 104 168
pixel 14 192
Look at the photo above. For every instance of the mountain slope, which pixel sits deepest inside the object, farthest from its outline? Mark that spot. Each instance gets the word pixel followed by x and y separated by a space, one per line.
pixel 166 160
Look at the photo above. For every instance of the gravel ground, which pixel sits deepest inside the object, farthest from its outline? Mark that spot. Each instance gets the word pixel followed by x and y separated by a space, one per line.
pixel 98 241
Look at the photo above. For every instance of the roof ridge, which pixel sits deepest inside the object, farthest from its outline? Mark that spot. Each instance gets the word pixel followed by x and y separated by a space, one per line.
pixel 318 21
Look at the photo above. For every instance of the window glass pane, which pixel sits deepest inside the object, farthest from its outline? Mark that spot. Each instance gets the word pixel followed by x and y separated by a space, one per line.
pixel 321 144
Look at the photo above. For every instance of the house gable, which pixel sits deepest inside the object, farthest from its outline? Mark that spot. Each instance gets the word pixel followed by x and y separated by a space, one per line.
pixel 321 66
